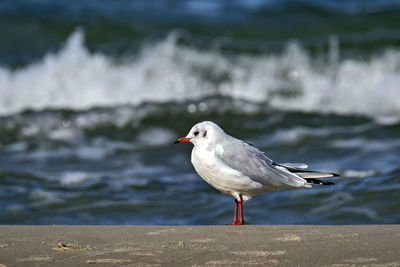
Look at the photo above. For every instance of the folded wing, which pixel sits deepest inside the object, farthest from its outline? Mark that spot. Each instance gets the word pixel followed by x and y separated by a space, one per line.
pixel 254 164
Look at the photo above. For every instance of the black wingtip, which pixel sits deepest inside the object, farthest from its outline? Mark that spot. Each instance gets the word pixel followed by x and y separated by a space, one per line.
pixel 317 181
pixel 176 142
pixel 335 174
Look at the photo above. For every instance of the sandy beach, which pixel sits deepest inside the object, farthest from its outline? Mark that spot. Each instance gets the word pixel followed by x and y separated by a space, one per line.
pixel 374 245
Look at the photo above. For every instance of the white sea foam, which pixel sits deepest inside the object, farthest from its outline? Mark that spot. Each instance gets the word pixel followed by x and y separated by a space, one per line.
pixel 359 173
pixel 73 177
pixel 74 78
pixel 65 134
pixel 156 136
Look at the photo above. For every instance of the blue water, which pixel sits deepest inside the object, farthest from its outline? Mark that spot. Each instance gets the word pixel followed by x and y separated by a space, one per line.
pixel 93 94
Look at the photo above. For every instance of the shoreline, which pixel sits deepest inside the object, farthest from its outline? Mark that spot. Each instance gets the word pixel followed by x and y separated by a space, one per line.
pixel 250 245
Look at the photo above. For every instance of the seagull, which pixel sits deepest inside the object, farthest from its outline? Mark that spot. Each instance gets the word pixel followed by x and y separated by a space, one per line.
pixel 240 170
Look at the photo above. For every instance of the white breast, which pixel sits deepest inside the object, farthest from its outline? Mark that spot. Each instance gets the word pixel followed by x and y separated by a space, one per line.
pixel 220 176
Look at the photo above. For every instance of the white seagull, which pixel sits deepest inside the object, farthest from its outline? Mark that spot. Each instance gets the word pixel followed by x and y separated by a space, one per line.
pixel 236 168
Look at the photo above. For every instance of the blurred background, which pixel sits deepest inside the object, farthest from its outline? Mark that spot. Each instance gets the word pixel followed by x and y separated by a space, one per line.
pixel 93 94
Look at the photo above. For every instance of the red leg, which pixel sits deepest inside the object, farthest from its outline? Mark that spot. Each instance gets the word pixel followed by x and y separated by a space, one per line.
pixel 235 219
pixel 241 211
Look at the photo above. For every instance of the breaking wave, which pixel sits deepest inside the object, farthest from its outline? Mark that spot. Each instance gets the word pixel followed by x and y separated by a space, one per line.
pixel 74 78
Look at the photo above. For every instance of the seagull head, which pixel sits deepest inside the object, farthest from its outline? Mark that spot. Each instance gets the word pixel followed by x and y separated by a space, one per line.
pixel 203 132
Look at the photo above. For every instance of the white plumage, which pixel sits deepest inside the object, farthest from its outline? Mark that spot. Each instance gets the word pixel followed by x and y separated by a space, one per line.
pixel 238 169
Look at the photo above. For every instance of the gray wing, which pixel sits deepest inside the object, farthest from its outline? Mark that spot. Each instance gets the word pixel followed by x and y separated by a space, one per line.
pixel 254 164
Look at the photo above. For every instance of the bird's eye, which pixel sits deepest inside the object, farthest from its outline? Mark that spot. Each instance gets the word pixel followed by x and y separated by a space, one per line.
pixel 196 133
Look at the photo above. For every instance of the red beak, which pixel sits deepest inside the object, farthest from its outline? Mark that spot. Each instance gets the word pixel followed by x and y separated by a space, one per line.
pixel 181 140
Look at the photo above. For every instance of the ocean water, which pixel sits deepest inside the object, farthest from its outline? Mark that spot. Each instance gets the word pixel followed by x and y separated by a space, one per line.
pixel 93 94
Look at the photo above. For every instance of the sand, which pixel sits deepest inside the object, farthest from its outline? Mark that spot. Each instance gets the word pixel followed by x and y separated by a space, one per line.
pixel 252 245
